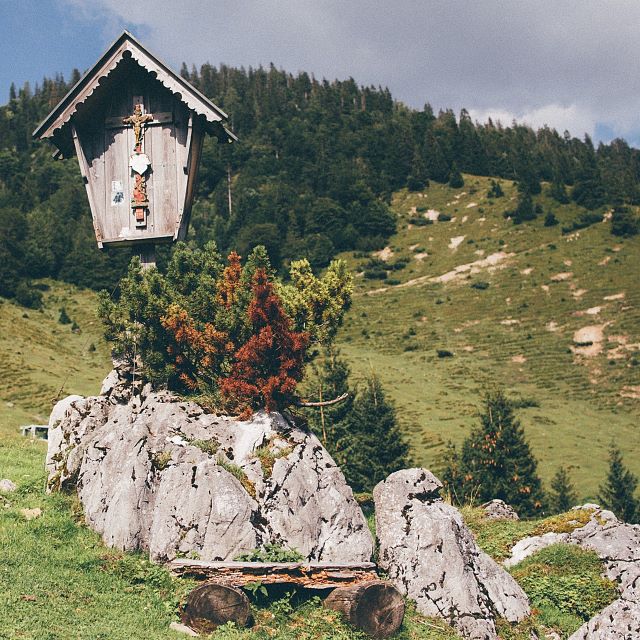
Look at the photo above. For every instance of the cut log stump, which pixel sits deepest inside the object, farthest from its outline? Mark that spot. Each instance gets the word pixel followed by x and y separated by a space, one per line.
pixel 375 607
pixel 211 604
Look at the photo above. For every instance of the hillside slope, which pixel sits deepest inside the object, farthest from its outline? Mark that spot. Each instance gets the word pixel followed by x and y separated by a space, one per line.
pixel 553 317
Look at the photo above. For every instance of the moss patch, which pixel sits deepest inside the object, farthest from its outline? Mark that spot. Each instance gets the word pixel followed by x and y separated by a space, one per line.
pixel 563 582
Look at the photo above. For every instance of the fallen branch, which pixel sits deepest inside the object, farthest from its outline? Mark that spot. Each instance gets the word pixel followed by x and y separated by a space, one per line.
pixel 322 403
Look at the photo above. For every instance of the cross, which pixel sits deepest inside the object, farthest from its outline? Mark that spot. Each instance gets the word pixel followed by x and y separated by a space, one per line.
pixel 138 120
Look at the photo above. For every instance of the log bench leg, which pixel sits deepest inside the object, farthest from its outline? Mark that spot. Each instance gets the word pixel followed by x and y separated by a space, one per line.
pixel 375 607
pixel 211 605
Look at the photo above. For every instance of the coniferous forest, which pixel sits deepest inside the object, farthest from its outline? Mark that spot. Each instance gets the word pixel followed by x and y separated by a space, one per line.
pixel 312 174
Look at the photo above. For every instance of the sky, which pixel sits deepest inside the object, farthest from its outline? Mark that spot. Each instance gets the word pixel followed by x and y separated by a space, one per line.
pixel 569 64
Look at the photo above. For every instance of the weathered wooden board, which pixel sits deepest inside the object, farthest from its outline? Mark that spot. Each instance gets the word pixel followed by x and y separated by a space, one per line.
pixel 312 575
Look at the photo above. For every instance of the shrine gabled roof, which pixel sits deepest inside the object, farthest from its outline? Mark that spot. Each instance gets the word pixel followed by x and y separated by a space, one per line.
pixel 126 46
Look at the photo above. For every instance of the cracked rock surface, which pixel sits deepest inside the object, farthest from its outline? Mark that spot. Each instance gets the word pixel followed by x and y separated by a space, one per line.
pixel 431 556
pixel 160 474
pixel 499 510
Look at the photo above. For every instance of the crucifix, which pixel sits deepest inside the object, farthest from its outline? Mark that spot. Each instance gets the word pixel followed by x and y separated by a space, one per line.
pixel 139 163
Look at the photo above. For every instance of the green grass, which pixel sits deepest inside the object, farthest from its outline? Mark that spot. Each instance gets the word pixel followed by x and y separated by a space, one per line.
pixel 501 335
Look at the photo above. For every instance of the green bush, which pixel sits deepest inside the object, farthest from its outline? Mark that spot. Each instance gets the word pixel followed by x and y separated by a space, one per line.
pixel 271 553
pixel 375 274
pixel 624 223
pixel 28 296
pixel 64 318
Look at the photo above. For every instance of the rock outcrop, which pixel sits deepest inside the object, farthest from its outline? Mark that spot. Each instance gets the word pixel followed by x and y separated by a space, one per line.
pixel 499 510
pixel 156 473
pixel 619 621
pixel 431 556
pixel 617 544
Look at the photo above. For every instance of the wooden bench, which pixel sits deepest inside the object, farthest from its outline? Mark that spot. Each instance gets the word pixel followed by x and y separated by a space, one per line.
pixel 368 603
pixel 311 575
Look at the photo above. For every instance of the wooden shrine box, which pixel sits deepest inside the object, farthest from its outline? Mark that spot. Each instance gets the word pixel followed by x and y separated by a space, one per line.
pixel 137 129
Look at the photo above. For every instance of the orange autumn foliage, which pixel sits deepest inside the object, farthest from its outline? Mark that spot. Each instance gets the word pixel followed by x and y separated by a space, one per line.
pixel 230 281
pixel 267 368
pixel 197 353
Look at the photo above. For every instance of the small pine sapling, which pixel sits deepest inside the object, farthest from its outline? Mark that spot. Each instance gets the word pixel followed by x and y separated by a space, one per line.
pixel 618 491
pixel 267 368
pixel 562 495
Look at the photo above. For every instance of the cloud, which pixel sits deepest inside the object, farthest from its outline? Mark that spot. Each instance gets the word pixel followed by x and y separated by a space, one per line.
pixel 572 64
pixel 573 118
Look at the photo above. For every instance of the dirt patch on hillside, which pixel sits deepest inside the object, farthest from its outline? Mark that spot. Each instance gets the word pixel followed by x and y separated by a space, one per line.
pixel 421 256
pixel 591 311
pixel 384 254
pixel 432 215
pixel 519 359
pixel 455 242
pixel 631 391
pixel 560 277
pixel 615 296
pixel 588 340
pixel 490 263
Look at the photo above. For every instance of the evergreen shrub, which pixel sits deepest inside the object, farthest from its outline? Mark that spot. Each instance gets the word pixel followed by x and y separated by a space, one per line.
pixel 231 334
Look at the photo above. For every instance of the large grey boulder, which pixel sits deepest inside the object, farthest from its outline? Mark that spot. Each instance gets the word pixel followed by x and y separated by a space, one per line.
pixel 156 473
pixel 619 621
pixel 431 556
pixel 616 543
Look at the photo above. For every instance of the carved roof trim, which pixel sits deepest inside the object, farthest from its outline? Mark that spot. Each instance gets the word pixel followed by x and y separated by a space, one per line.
pixel 127 46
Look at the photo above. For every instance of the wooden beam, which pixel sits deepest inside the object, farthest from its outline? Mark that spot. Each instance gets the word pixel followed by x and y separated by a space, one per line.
pixel 311 575
pixel 84 171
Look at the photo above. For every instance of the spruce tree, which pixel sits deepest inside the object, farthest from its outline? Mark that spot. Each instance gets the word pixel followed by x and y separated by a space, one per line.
pixel 558 191
pixel 550 219
pixel 525 209
pixel 563 495
pixel 617 492
pixel 495 191
pixel 456 180
pixel 361 433
pixel 330 379
pixel 376 445
pixel 496 461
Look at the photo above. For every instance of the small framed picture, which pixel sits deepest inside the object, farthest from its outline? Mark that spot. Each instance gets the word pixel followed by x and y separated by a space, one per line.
pixel 117 193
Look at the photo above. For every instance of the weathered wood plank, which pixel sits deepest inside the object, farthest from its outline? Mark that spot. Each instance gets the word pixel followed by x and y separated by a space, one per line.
pixel 89 183
pixel 310 575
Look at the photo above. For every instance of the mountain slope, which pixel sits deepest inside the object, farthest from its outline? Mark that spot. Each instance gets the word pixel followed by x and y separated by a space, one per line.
pixel 552 317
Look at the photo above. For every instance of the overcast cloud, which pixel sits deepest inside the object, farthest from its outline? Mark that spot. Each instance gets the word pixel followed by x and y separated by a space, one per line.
pixel 570 64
